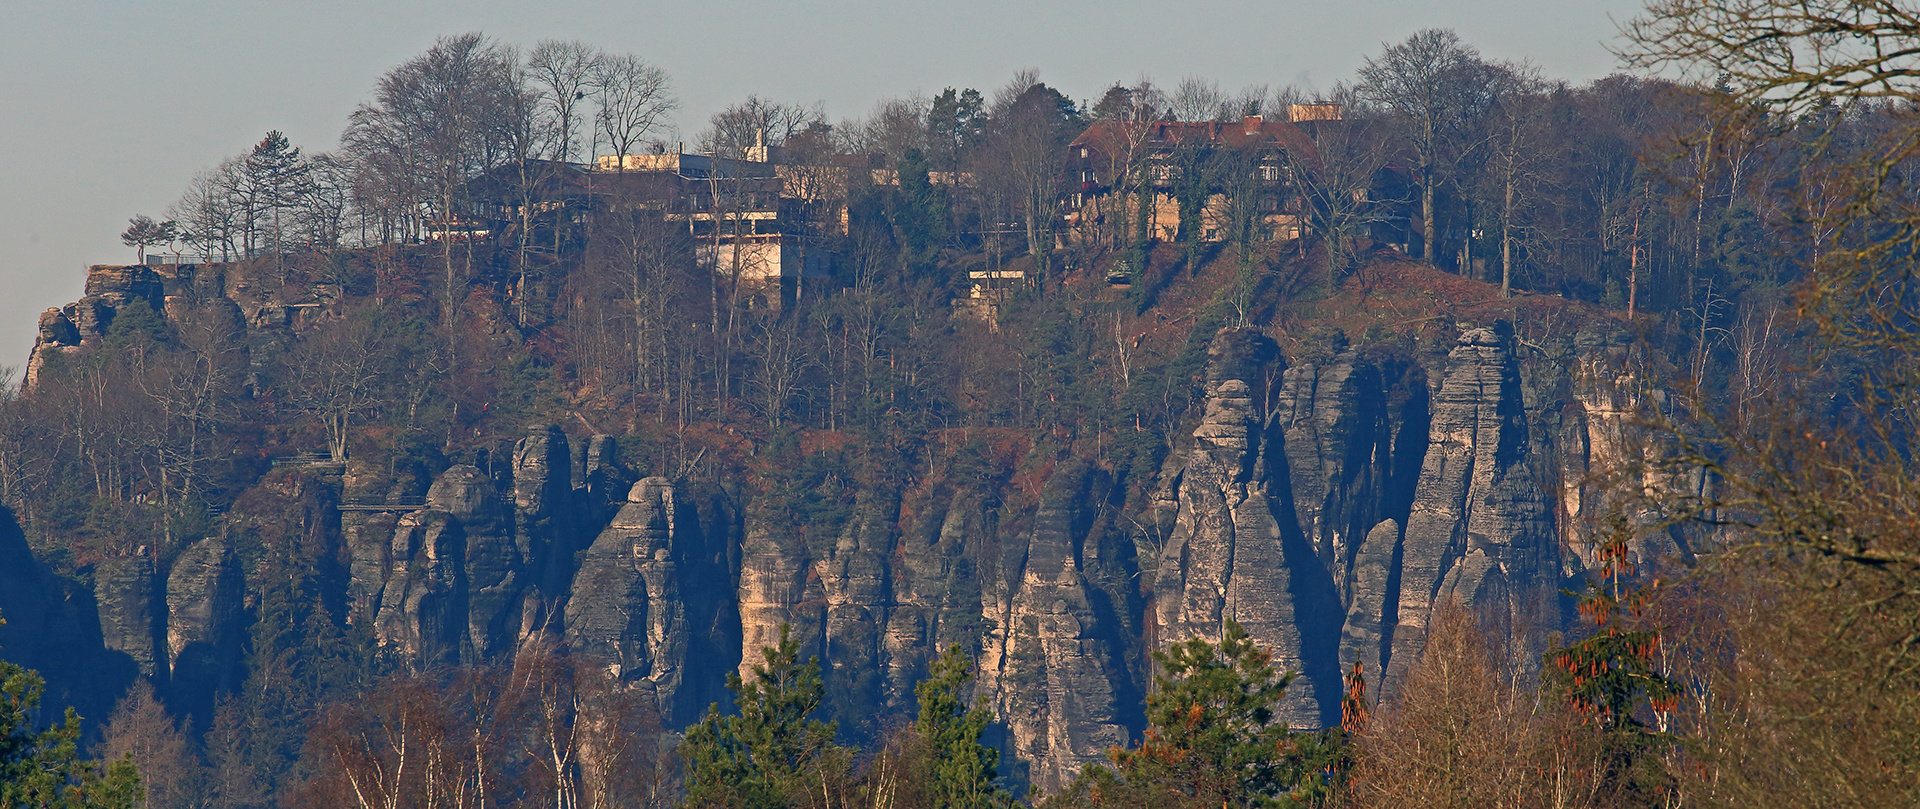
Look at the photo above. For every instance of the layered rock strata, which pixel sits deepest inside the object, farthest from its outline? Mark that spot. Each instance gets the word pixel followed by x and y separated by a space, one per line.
pixel 1328 504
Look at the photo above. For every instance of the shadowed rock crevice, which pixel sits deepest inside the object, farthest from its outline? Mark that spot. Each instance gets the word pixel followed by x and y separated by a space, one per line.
pixel 1326 501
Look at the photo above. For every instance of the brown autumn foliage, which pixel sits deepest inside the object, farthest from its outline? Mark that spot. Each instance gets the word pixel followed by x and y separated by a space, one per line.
pixel 1797 693
pixel 1467 730
pixel 549 732
pixel 142 730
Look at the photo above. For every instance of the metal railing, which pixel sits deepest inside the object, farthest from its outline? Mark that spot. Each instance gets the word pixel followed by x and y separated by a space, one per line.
pixel 306 459
pixel 180 258
pixel 394 504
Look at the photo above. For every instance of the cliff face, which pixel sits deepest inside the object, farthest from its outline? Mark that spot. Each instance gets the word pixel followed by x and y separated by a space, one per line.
pixel 1327 504
pixel 1478 531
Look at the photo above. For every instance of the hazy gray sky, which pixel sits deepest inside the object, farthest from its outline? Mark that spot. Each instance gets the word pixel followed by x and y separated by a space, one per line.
pixel 107 107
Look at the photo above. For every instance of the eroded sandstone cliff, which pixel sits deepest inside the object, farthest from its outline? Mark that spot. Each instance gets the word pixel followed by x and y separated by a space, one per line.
pixel 1328 502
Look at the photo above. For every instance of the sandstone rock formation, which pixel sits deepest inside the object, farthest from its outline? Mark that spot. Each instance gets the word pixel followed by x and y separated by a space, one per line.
pixel 205 622
pixel 627 610
pixel 1327 501
pixel 125 590
pixel 1479 530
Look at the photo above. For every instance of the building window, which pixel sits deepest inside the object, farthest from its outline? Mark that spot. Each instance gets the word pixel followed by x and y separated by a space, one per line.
pixel 1270 173
pixel 1083 151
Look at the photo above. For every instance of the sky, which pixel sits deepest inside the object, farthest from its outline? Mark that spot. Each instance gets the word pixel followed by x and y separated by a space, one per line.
pixel 109 107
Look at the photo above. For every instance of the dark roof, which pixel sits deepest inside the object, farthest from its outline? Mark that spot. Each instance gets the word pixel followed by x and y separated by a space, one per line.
pixel 1251 132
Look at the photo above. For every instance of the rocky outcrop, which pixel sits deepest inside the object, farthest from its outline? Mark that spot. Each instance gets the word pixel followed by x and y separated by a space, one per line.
pixel 1372 604
pixel 442 556
pixel 854 573
pixel 172 290
pixel 205 620
pixel 1479 530
pixel 422 613
pixel 547 530
pixel 1338 451
pixel 1053 659
pixel 1227 556
pixel 627 610
pixel 936 584
pixel 124 588
pixel 1327 503
pixel 773 584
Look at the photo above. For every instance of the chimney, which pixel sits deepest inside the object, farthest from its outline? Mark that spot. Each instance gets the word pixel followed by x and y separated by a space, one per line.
pixel 1253 123
pixel 757 153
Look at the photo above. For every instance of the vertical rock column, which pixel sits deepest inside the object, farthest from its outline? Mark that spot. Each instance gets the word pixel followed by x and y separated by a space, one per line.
pixel 1479 531
pixel 125 590
pixel 453 576
pixel 1225 557
pixel 1362 638
pixel 1050 662
pixel 626 610
pixel 205 603
pixel 547 531
pixel 1339 455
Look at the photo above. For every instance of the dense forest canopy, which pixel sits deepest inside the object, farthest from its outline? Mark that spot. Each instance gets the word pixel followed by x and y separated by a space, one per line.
pixel 510 454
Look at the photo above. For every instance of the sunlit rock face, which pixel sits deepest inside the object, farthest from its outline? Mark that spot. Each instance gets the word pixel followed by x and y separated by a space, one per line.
pixel 1327 500
pixel 1479 531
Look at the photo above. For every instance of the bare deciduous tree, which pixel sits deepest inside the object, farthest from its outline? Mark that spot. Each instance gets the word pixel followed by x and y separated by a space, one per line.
pixel 633 97
pixel 1518 155
pixel 564 72
pixel 756 122
pixel 1431 80
pixel 208 211
pixel 1030 122
pixel 140 729
pixel 1467 732
pixel 434 124
pixel 339 373
pixel 1198 100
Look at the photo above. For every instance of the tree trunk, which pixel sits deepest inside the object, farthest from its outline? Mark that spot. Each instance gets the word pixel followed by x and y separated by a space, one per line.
pixel 1426 209
pixel 1506 240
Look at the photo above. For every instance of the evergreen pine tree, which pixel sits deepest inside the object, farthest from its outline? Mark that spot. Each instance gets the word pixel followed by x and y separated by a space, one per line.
pixel 1212 737
pixel 42 769
pixel 771 749
pixel 1611 675
pixel 960 769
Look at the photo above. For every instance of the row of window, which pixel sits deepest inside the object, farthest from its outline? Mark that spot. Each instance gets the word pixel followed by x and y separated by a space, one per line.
pixel 1268 172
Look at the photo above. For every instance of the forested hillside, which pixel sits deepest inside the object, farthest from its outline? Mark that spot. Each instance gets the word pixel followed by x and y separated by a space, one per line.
pixel 456 420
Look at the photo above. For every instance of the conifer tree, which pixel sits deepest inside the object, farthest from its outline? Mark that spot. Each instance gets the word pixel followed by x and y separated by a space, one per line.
pixel 42 769
pixel 276 178
pixel 771 749
pixel 1212 737
pixel 1611 675
pixel 960 769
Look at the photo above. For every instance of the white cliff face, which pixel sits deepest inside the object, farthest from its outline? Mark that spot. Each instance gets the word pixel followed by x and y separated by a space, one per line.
pixel 1605 448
